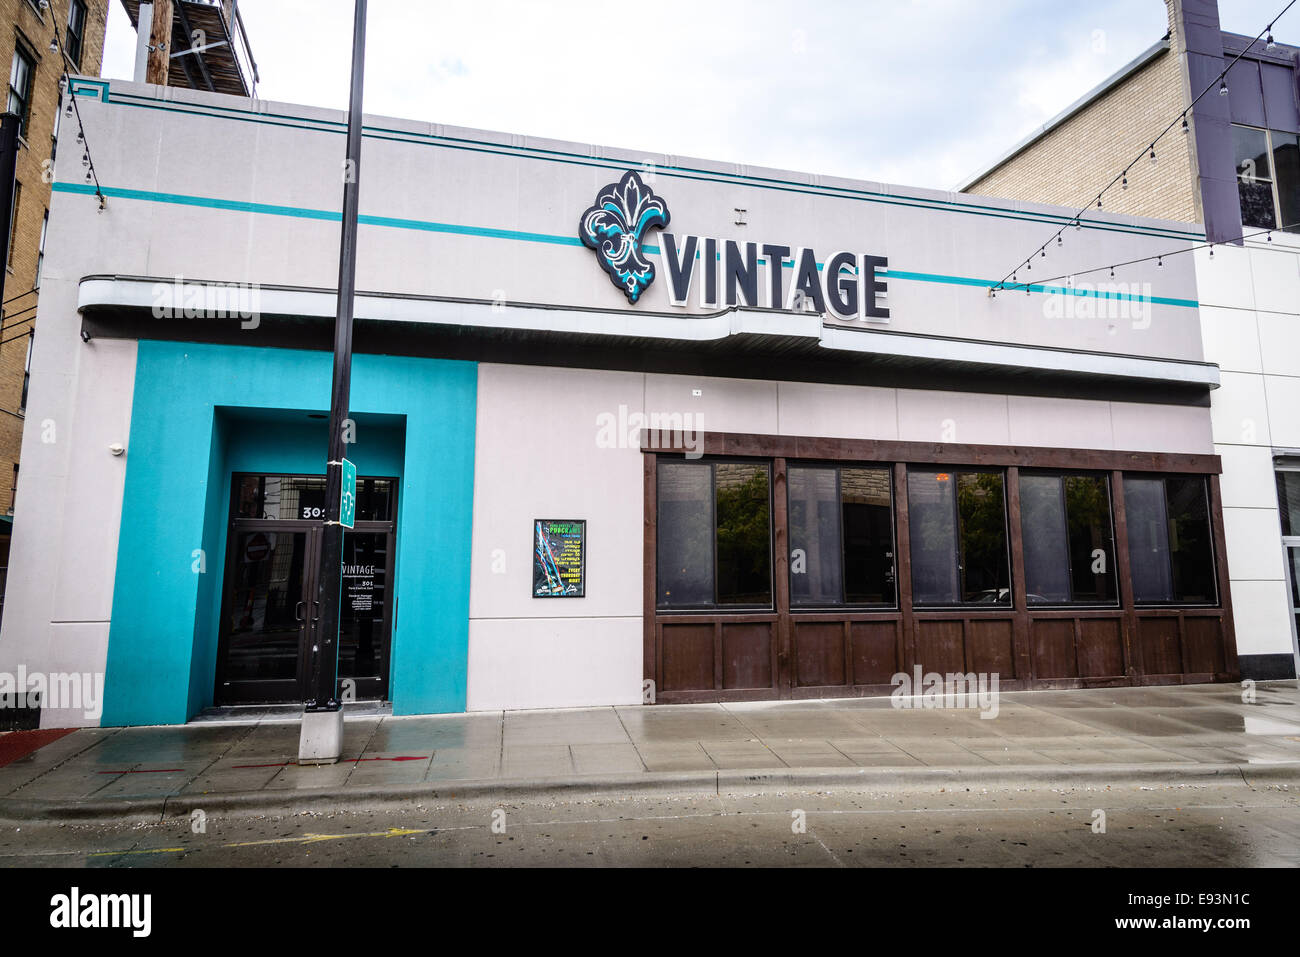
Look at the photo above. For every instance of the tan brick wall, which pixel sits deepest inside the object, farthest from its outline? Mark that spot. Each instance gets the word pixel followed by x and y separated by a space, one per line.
pixel 23 22
pixel 1070 164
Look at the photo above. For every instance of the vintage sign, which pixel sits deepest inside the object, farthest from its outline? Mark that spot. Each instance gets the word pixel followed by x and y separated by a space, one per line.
pixel 725 272
pixel 359 592
pixel 559 556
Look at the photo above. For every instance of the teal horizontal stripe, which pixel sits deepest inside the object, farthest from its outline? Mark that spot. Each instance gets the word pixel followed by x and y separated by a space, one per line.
pixel 677 172
pixel 392 222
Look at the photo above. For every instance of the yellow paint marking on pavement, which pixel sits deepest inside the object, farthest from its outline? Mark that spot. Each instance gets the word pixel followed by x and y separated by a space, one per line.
pixel 310 838
pixel 155 850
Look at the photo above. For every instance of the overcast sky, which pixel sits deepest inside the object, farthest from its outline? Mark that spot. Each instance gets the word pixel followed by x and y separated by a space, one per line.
pixel 917 92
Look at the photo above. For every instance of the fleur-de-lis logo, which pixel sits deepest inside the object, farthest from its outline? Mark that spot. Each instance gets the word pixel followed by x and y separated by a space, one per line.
pixel 615 227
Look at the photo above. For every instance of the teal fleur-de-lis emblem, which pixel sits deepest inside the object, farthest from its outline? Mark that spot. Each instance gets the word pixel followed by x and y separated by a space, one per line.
pixel 615 228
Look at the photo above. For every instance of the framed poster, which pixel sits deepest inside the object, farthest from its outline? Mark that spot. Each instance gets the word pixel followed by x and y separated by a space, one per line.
pixel 559 558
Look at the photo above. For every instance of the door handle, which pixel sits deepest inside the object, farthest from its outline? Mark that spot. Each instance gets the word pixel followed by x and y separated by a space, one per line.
pixel 315 615
pixel 297 611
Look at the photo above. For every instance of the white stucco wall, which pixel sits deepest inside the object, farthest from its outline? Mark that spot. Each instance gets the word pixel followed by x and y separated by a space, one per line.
pixel 1250 322
pixel 538 455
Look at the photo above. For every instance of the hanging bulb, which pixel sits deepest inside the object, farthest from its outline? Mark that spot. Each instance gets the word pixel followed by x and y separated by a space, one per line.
pixel 1124 185
pixel 1077 225
pixel 1059 241
pixel 54 46
pixel 81 137
pixel 1099 202
pixel 88 176
pixel 1160 260
pixel 1044 252
pixel 1186 130
pixel 1270 44
pixel 1112 272
pixel 68 111
pixel 1223 87
pixel 85 160
pixel 1153 154
pixel 1270 235
pixel 1211 250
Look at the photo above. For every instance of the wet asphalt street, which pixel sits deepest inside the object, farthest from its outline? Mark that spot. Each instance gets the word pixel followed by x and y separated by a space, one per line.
pixel 1177 825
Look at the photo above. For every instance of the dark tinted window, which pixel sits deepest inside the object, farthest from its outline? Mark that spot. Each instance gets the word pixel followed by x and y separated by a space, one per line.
pixel 1069 546
pixel 302 497
pixel 959 538
pixel 744 534
pixel 1254 176
pixel 714 534
pixel 1288 500
pixel 841 536
pixel 1170 546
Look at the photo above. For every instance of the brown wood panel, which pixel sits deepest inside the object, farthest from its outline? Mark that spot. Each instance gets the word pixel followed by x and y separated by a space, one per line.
pixel 876 651
pixel 940 646
pixel 1204 644
pixel 1158 644
pixel 687 658
pixel 649 531
pixel 1101 647
pixel 990 648
pixel 747 655
pixel 1053 642
pixel 818 653
pixel 933 453
pixel 1230 664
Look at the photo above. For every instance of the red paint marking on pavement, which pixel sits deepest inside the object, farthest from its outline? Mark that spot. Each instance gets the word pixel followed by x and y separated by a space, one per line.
pixel 19 744
pixel 403 757
pixel 145 771
pixel 287 764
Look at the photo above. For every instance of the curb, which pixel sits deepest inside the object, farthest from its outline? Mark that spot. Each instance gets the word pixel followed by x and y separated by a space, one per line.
pixel 729 782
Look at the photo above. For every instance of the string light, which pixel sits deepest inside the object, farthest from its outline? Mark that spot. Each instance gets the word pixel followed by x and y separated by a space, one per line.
pixel 1158 258
pixel 1181 120
pixel 1271 45
pixel 72 110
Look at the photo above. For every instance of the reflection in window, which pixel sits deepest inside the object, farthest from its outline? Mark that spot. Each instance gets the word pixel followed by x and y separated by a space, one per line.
pixel 1254 176
pixel 744 534
pixel 959 538
pixel 714 534
pixel 841 536
pixel 1170 548
pixel 1069 546
pixel 1288 500
pixel 302 498
pixel 1268 177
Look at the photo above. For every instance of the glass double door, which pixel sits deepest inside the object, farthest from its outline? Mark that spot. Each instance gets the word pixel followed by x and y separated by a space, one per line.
pixel 271 608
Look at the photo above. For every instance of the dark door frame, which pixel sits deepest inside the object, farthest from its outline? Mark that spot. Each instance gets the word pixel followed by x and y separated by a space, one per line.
pixel 285 690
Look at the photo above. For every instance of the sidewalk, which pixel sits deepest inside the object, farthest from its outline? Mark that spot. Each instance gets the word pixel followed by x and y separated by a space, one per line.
pixel 1045 737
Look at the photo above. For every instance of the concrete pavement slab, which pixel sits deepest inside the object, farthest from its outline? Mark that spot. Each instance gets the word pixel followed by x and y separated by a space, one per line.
pixel 1176 730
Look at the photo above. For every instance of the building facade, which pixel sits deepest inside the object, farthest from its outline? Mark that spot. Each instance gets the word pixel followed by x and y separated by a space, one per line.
pixel 36 70
pixel 1236 171
pixel 627 428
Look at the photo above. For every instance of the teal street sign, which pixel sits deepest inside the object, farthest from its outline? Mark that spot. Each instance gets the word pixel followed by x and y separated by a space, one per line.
pixel 348 496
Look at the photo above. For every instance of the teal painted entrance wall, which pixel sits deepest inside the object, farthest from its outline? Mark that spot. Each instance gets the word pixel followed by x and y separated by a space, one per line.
pixel 202 412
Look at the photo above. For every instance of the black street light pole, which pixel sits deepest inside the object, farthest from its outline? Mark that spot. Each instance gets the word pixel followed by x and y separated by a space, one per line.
pixel 323 693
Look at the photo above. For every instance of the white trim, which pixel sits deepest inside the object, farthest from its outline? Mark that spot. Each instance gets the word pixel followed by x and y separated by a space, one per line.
pixel 141 293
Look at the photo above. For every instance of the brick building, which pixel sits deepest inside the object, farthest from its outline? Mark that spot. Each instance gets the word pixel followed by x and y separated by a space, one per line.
pixel 35 75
